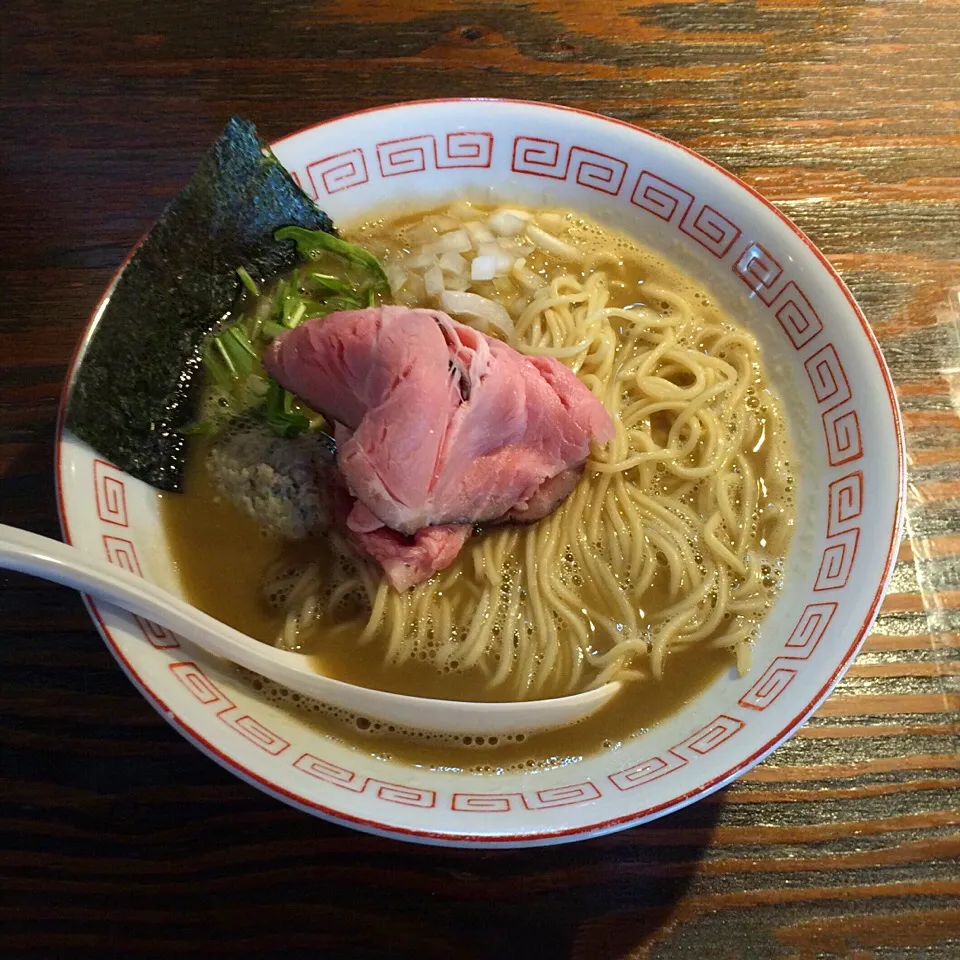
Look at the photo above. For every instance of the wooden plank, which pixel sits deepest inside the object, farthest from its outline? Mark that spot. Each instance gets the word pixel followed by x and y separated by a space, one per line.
pixel 119 838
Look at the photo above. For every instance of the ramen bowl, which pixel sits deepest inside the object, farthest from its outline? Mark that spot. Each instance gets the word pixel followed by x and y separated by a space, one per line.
pixel 841 415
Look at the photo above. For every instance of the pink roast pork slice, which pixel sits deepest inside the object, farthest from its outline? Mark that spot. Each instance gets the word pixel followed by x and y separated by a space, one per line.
pixel 437 424
pixel 405 560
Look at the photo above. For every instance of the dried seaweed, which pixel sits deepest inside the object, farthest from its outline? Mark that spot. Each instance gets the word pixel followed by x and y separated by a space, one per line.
pixel 135 389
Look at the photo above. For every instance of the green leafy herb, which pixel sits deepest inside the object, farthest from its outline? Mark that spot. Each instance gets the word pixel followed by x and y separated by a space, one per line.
pixel 331 283
pixel 311 243
pixel 248 281
pixel 283 415
pixel 351 279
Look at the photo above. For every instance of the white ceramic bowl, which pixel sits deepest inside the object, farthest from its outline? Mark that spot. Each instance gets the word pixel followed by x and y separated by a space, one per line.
pixel 842 415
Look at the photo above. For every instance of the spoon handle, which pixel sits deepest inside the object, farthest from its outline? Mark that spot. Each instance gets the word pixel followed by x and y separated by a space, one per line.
pixel 62 563
pixel 52 560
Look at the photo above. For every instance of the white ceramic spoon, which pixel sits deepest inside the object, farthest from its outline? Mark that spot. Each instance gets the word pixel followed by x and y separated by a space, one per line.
pixel 52 560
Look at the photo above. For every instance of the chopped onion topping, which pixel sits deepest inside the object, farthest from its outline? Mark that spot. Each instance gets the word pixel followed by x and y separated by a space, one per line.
pixel 507 223
pixel 551 244
pixel 477 308
pixel 502 260
pixel 483 268
pixel 396 276
pixel 451 262
pixel 448 256
pixel 420 261
pixel 457 281
pixel 458 241
pixel 433 281
pixel 420 233
pixel 479 233
pixel 464 210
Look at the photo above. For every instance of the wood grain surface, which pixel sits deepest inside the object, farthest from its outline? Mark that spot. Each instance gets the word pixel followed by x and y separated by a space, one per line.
pixel 119 839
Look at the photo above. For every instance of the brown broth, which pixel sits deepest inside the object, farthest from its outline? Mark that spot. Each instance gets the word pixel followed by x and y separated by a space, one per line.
pixel 220 555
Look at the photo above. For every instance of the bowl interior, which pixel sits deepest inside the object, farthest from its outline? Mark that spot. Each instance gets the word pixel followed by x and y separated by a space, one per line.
pixel 818 352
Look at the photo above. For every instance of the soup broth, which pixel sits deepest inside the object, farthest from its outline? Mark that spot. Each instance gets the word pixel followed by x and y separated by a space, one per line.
pixel 223 557
pixel 220 555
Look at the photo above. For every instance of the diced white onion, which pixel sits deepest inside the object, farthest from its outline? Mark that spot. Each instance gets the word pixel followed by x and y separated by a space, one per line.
pixel 475 307
pixel 503 260
pixel 420 261
pixel 451 252
pixel 527 279
pixel 457 281
pixel 522 214
pixel 483 268
pixel 478 232
pixel 451 262
pixel 396 276
pixel 551 244
pixel 506 223
pixel 433 281
pixel 420 233
pixel 458 241
pixel 464 210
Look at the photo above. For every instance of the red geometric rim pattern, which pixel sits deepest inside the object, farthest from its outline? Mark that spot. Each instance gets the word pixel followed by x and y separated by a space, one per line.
pixel 758 268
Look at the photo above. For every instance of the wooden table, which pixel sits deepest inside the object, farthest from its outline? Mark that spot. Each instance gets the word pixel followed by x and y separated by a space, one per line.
pixel 121 839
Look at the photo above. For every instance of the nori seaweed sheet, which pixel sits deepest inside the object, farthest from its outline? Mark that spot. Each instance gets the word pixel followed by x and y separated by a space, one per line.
pixel 136 386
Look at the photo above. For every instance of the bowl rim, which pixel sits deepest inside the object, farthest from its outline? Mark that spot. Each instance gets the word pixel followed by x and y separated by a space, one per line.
pixel 533 837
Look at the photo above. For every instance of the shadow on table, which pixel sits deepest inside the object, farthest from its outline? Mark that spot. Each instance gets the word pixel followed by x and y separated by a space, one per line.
pixel 214 860
pixel 599 899
pixel 175 857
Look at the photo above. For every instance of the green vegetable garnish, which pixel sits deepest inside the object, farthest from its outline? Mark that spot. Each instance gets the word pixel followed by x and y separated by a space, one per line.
pixel 351 279
pixel 331 283
pixel 283 415
pixel 311 243
pixel 248 281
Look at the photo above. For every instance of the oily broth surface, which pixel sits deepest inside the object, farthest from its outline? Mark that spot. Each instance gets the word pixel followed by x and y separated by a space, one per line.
pixel 221 555
pixel 632 278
